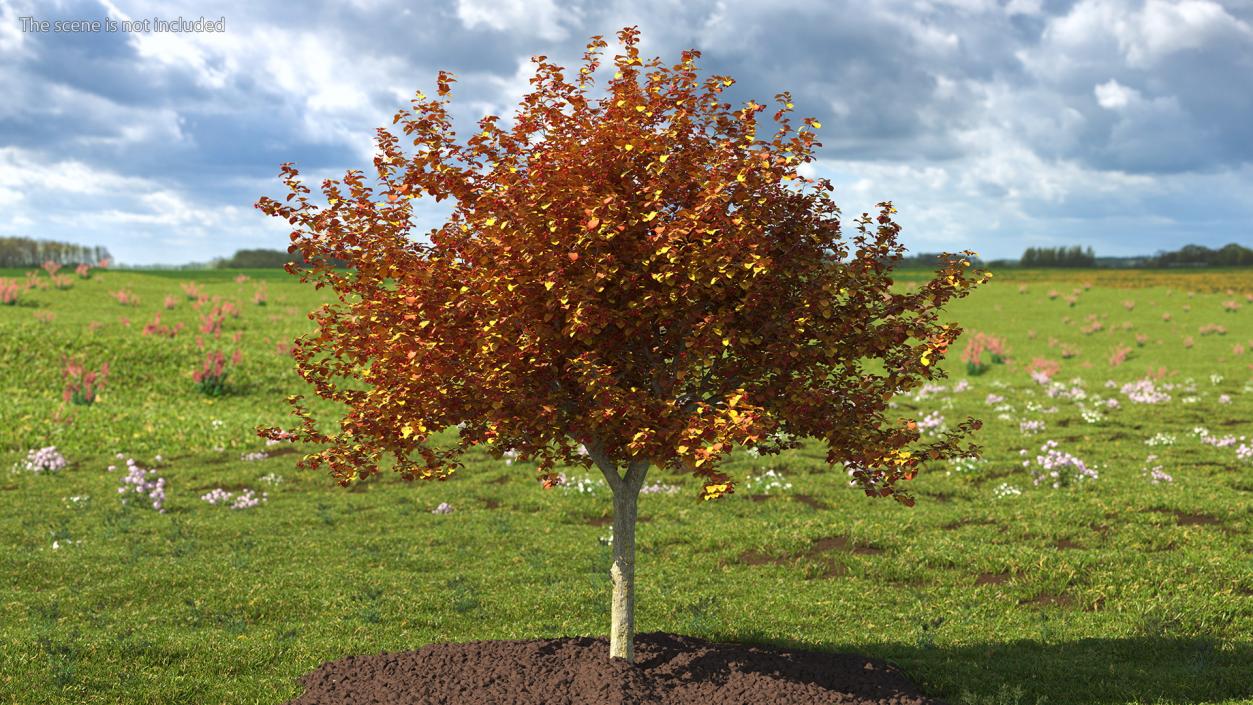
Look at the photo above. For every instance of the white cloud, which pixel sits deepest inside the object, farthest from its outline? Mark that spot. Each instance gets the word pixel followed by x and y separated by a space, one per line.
pixel 12 40
pixel 70 200
pixel 1140 35
pixel 1022 7
pixel 541 18
pixel 1112 95
pixel 26 171
pixel 924 100
pixel 1164 28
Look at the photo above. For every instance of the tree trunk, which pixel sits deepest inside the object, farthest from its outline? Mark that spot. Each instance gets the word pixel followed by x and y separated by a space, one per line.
pixel 626 495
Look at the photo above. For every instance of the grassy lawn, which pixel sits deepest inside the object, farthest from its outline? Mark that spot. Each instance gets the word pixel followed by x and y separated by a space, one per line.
pixel 993 589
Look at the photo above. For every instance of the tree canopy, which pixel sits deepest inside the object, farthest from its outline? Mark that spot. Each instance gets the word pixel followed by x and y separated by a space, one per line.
pixel 645 275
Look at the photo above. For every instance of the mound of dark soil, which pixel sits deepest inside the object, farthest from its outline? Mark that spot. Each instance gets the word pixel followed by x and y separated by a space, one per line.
pixel 669 669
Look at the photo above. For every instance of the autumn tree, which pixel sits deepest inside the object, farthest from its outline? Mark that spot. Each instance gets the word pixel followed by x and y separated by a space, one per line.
pixel 643 275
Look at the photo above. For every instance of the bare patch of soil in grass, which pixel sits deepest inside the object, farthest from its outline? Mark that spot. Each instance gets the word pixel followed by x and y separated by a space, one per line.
pixel 955 525
pixel 991 578
pixel 1066 545
pixel 282 450
pixel 817 553
pixel 1047 599
pixel 1183 518
pixel 1196 519
pixel 811 502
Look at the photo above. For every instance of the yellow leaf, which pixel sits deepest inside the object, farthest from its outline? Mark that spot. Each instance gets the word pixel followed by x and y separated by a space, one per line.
pixel 650 216
pixel 663 158
pixel 406 431
pixel 817 124
pixel 490 222
pixel 549 285
pixel 629 147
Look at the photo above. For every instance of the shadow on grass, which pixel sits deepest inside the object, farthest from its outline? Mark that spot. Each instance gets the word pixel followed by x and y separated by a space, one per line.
pixel 1098 671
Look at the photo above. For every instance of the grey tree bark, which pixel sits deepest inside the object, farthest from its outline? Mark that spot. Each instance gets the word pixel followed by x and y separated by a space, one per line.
pixel 626 495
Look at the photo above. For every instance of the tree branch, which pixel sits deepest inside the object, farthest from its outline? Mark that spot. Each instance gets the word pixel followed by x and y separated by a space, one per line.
pixel 607 467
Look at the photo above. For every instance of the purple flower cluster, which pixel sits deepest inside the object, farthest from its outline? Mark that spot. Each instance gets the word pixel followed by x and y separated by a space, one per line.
pixel 961 386
pixel 45 460
pixel 246 499
pixel 929 389
pixel 254 456
pixel 1058 468
pixel 1155 473
pixel 658 488
pixel 931 421
pixel 993 399
pixel 443 508
pixel 1244 452
pixel 1031 426
pixel 145 483
pixel 218 496
pixel 1074 392
pixel 1145 392
pixel 1215 441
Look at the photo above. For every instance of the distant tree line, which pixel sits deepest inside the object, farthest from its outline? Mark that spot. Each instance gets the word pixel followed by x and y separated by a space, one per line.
pixel 28 252
pixel 929 260
pixel 1232 255
pixel 263 259
pixel 254 259
pixel 1074 256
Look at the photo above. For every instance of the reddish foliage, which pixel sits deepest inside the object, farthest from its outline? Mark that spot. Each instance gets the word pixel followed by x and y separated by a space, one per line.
pixel 643 274
pixel 159 328
pixel 82 385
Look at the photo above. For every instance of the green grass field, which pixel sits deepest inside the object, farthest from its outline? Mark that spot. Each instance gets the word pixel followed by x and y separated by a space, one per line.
pixel 993 589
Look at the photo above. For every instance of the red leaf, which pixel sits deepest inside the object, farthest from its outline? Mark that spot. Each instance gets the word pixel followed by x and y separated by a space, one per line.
pixel 574 256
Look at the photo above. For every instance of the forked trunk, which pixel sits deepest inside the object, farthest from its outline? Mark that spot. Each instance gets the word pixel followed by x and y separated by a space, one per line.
pixel 626 495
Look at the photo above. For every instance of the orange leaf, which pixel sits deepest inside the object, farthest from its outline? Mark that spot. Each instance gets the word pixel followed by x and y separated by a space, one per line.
pixel 593 223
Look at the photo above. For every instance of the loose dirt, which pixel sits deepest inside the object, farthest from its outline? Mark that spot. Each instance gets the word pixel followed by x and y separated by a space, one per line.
pixel 669 669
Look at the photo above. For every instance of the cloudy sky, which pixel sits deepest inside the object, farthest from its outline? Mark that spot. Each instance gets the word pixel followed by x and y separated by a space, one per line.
pixel 993 124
